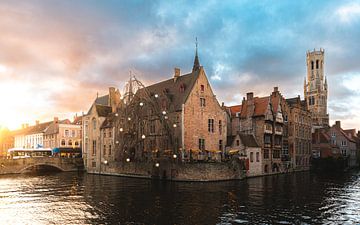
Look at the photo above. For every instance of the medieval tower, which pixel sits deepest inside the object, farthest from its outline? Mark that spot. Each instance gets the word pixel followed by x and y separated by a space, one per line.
pixel 316 89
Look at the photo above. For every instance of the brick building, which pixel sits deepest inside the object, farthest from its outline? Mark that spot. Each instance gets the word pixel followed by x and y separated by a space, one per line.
pixel 263 117
pixel 179 117
pixel 299 125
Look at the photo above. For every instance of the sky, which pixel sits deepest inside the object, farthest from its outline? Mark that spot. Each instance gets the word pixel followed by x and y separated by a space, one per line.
pixel 55 56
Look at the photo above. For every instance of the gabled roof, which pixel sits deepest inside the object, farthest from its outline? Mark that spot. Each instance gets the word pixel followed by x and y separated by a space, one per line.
pixel 53 127
pixel 103 100
pixel 176 90
pixel 109 121
pixel 234 109
pixel 40 128
pixel 261 105
pixel 248 140
pixel 103 110
pixel 78 120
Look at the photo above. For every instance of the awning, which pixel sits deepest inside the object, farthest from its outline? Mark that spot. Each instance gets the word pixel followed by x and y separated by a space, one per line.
pixel 194 150
pixel 233 151
pixel 55 150
pixel 214 151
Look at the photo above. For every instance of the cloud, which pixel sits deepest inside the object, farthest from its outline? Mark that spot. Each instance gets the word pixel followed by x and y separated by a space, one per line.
pixel 63 53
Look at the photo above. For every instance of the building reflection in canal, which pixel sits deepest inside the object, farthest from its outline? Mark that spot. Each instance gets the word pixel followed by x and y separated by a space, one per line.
pixel 72 198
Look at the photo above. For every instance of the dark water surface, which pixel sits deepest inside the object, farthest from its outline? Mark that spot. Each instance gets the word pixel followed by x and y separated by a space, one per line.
pixel 72 198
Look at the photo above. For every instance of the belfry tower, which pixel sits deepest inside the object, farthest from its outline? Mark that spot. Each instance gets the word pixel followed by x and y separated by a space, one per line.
pixel 316 89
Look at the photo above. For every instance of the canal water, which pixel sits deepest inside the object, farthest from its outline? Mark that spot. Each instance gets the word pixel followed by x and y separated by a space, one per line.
pixel 72 198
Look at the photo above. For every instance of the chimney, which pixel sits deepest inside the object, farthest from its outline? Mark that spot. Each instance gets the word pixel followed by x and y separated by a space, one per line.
pixel 176 73
pixel 37 122
pixel 222 104
pixel 112 101
pixel 338 124
pixel 249 96
pixel 56 119
pixel 276 89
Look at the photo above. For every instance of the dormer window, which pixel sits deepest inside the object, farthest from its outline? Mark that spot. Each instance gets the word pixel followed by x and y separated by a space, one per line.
pixel 202 88
pixel 182 88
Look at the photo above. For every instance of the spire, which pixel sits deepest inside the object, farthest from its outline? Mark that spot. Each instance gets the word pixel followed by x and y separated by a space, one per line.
pixel 196 60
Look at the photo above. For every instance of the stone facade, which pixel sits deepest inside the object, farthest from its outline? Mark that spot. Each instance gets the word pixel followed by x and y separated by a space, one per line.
pixel 300 123
pixel 92 144
pixel 316 88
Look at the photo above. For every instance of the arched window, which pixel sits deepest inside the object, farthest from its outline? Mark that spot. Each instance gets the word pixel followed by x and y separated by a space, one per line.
pixel 312 65
pixel 62 142
pixel 70 142
pixel 76 143
pixel 317 64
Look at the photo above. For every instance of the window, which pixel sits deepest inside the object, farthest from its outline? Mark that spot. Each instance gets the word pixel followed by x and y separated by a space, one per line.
pixel 343 143
pixel 94 148
pixel 276 154
pixel 104 133
pixel 109 150
pixel 251 157
pixel 202 102
pixel 220 127
pixel 104 150
pixel 110 133
pixel 202 88
pixel 277 140
pixel 333 134
pixel 70 142
pixel 73 134
pixel 211 125
pixel 76 143
pixel 62 142
pixel 201 144
pixel 66 133
pixel 257 157
pixel 93 164
pixel 220 145
pixel 152 127
pixel 266 153
pixel 343 151
pixel 237 142
pixel 267 139
pixel 312 65
pixel 153 145
pixel 317 64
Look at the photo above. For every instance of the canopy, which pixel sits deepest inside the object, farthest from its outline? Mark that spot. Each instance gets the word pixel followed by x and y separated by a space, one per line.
pixel 233 151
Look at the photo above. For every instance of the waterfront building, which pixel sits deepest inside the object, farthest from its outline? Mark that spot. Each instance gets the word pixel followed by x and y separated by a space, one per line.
pixel 91 122
pixel 266 119
pixel 345 141
pixel 316 88
pixel 64 137
pixel 322 146
pixel 31 136
pixel 177 118
pixel 6 141
pixel 299 125
pixel 107 137
pixel 245 147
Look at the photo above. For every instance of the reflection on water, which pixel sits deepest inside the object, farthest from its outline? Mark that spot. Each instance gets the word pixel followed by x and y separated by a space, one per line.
pixel 72 198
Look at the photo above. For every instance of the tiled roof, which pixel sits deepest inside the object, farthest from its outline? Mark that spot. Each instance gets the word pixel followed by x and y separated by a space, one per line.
pixel 248 140
pixel 261 105
pixel 40 128
pixel 77 120
pixel 234 109
pixel 176 91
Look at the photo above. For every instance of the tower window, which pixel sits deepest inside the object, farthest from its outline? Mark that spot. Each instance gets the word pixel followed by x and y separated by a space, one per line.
pixel 317 64
pixel 312 65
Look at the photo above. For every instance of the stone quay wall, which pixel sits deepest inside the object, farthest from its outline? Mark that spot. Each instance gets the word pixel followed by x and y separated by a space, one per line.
pixel 176 171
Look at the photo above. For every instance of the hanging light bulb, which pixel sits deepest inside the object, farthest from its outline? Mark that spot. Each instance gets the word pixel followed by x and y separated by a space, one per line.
pixel 174 156
pixel 105 162
pixel 129 118
pixel 164 112
pixel 116 114
pixel 141 104
pixel 143 136
pixel 117 142
pixel 121 129
pixel 157 164
pixel 127 160
pixel 166 117
pixel 174 125
pixel 156 95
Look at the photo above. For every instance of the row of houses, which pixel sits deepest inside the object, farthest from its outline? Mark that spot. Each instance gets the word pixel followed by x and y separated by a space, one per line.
pixel 180 118
pixel 181 121
pixel 62 136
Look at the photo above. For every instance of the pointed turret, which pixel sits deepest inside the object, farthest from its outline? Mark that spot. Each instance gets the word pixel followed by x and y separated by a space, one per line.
pixel 196 65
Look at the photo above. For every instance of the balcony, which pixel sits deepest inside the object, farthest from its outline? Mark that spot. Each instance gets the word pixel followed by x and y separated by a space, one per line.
pixel 268 129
